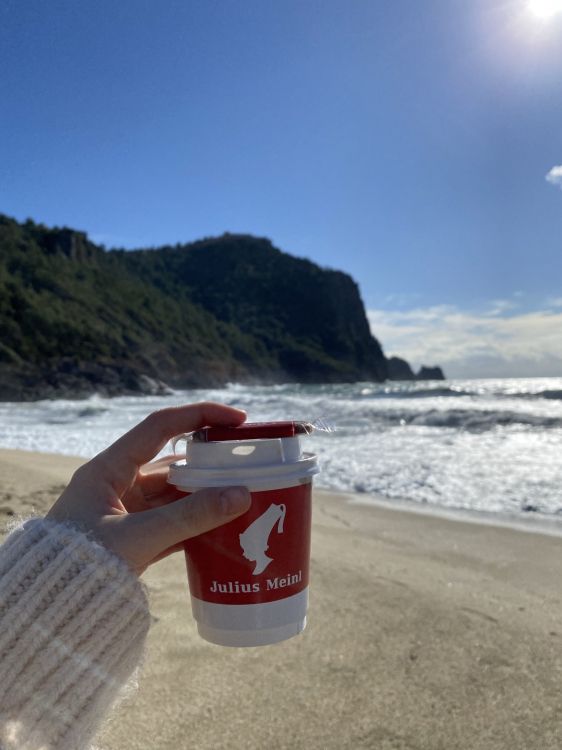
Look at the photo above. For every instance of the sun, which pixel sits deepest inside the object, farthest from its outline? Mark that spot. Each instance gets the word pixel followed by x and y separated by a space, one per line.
pixel 545 8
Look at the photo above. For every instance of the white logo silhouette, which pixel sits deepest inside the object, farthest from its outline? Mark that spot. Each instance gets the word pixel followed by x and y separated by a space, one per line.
pixel 255 540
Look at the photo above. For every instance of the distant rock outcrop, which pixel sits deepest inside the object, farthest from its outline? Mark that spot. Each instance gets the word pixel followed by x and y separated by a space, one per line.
pixel 399 369
pixel 430 373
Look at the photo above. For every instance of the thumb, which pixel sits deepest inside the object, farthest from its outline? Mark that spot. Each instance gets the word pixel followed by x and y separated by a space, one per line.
pixel 153 531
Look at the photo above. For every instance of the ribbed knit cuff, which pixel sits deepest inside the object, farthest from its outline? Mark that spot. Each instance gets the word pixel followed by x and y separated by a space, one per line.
pixel 73 622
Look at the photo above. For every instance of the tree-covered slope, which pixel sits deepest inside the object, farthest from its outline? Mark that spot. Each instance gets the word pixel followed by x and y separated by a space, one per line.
pixel 310 321
pixel 75 318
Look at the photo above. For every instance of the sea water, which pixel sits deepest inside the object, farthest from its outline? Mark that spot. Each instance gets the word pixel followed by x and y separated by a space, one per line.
pixel 487 446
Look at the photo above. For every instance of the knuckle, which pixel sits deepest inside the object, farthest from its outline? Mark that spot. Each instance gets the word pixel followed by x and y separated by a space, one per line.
pixel 190 510
pixel 203 408
pixel 155 421
pixel 82 473
pixel 197 509
pixel 154 418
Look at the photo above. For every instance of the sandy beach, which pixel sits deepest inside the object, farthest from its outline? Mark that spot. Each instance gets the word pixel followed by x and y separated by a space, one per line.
pixel 424 633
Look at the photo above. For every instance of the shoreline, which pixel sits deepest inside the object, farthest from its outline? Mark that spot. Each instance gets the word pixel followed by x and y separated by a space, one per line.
pixel 538 524
pixel 424 633
pixel 535 523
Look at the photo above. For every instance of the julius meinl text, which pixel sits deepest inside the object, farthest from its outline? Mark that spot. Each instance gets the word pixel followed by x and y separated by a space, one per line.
pixel 235 587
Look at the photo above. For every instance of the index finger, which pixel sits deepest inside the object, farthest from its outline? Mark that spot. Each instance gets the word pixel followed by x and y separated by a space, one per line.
pixel 138 446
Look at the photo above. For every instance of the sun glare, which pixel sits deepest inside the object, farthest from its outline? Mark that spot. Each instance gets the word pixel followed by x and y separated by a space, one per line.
pixel 545 8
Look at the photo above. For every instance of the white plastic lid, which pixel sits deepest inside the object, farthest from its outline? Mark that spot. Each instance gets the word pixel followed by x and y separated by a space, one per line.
pixel 256 464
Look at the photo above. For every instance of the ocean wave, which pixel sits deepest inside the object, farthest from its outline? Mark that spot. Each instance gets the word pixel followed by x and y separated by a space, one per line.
pixel 553 395
pixel 442 392
pixel 70 415
pixel 468 419
pixel 359 421
pixel 91 411
pixel 495 449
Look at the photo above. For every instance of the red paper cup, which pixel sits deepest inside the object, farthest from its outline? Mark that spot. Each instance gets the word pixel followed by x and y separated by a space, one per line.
pixel 248 579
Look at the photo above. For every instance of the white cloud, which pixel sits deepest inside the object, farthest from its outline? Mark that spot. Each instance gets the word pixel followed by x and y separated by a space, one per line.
pixel 473 344
pixel 500 306
pixel 554 302
pixel 555 176
pixel 401 299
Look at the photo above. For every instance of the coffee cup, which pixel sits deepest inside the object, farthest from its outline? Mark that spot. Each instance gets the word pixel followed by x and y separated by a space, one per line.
pixel 248 579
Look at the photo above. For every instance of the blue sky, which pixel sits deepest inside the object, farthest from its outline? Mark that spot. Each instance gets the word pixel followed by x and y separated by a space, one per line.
pixel 407 143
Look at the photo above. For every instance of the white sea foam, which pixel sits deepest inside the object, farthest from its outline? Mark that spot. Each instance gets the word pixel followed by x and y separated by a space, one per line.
pixel 492 446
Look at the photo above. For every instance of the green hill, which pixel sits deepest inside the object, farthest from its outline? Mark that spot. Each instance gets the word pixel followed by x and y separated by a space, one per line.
pixel 75 318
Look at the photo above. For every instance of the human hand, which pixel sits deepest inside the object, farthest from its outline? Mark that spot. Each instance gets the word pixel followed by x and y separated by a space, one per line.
pixel 126 504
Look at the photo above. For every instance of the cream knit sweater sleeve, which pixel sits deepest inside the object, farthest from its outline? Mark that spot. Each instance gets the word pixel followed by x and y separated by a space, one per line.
pixel 73 621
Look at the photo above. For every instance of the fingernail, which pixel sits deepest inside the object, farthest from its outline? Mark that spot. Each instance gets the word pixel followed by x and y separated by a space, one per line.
pixel 234 499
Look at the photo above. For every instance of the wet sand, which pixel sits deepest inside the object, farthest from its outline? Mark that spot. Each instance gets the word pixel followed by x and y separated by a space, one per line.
pixel 424 633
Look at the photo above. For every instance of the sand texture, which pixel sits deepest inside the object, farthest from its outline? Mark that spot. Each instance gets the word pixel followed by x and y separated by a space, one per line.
pixel 424 634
